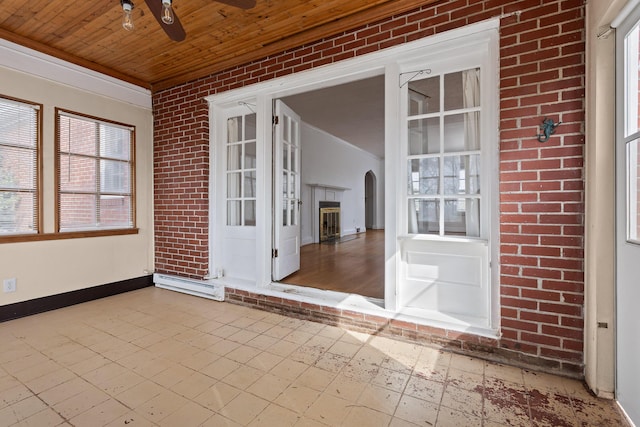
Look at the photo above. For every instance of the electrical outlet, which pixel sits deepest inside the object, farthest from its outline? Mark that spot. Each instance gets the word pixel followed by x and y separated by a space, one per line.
pixel 9 285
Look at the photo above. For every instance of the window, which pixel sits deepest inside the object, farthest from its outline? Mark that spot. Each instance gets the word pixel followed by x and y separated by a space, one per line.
pixel 19 170
pixel 632 131
pixel 443 159
pixel 95 173
pixel 241 170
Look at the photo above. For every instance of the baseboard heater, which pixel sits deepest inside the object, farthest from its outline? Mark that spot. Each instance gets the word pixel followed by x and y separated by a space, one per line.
pixel 190 286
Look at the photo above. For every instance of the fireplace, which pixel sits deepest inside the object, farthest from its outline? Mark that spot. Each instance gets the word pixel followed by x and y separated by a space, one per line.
pixel 329 225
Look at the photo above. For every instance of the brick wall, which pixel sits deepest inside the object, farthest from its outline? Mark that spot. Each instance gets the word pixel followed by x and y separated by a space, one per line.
pixel 541 184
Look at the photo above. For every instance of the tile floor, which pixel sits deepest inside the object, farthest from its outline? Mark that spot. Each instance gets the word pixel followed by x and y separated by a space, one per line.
pixel 155 357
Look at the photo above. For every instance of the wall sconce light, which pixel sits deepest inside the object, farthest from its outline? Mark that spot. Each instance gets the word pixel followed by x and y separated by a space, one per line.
pixel 548 128
pixel 167 12
pixel 127 18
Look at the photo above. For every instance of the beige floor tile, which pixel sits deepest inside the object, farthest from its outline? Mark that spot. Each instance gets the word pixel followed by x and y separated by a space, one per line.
pixel 424 389
pixel 466 363
pixel 542 381
pixel 65 390
pixel 199 360
pixel 269 387
pixel 380 399
pixel 222 347
pixel 297 336
pixel 140 394
pixel 315 378
pixel 193 385
pixel 289 369
pixel 461 399
pixel 90 364
pixel 161 406
pixel 100 414
pixel 345 349
pixel 243 336
pixel 76 356
pixel 189 415
pixel 278 332
pixel 417 411
pixel 330 362
pixel 308 422
pixel 359 371
pixel 265 361
pixel 465 379
pixel 259 327
pixel 362 416
pixel 275 415
pixel 243 377
pixel 217 396
pixel 120 383
pixel 218 420
pixel 243 354
pixel 21 410
pixel 393 380
pixel 307 355
pixel 14 394
pixel 282 348
pixel 399 422
pixel 504 372
pixel 171 359
pixel 329 409
pixel 263 342
pixel 297 399
pixel 172 375
pixel 220 368
pixel 448 417
pixel 45 418
pixel 244 408
pixel 225 331
pixel 131 419
pixel 36 371
pixel 81 402
pixel 104 373
pixel 346 388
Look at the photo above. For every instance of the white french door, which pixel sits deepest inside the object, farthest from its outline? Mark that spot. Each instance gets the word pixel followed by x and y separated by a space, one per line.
pixel 286 252
pixel 628 216
pixel 448 206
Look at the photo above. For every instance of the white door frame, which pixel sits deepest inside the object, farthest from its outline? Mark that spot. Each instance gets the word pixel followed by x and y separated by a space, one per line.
pixel 260 96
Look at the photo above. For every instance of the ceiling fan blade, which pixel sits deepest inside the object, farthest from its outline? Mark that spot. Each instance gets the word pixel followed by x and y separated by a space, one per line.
pixel 242 4
pixel 175 30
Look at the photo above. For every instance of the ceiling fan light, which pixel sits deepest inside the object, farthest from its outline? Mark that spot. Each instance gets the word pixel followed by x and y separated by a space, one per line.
pixel 167 12
pixel 127 17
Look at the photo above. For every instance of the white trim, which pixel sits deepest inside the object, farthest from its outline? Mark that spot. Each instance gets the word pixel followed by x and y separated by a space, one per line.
pixel 624 13
pixel 45 66
pixel 348 70
pixel 387 62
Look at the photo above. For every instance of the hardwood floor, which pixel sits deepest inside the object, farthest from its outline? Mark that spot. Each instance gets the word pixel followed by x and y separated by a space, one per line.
pixel 355 265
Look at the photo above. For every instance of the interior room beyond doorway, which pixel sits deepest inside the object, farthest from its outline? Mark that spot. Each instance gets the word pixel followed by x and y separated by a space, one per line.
pixel 353 264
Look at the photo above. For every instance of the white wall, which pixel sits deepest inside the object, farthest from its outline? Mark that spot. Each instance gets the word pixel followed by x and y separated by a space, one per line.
pixel 330 161
pixel 50 267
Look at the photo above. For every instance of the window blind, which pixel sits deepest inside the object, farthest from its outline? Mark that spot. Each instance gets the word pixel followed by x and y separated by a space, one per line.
pixel 95 174
pixel 19 144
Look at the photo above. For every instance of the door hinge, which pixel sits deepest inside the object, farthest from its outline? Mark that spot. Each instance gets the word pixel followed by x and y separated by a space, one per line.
pixel 274 253
pixel 275 120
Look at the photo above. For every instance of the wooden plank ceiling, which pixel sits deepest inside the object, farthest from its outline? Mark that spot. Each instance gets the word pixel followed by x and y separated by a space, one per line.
pixel 89 33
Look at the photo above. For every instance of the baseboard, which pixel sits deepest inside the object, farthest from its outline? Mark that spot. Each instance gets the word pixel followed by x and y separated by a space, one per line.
pixel 53 302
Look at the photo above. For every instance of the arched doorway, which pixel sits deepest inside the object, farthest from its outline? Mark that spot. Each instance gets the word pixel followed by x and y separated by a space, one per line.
pixel 369 200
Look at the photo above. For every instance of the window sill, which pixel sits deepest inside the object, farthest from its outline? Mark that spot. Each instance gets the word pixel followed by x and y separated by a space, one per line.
pixel 18 238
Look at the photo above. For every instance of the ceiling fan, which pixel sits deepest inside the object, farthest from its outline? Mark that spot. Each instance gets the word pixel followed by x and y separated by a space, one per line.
pixel 168 20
